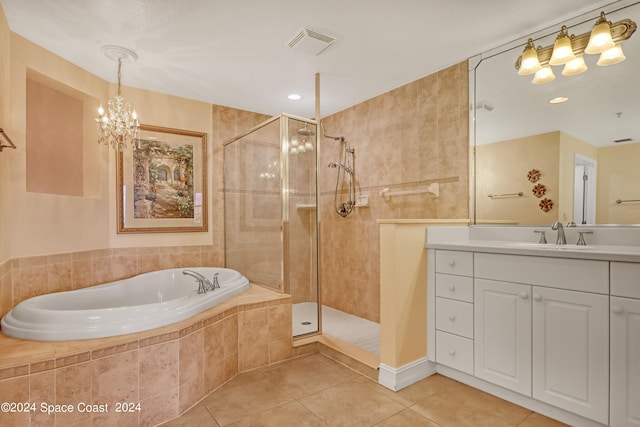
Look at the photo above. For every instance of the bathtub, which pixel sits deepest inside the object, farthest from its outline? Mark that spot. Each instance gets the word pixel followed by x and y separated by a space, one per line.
pixel 143 302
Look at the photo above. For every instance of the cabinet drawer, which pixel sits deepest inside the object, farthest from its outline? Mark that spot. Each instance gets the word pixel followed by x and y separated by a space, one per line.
pixel 455 317
pixel 625 279
pixel 454 351
pixel 563 273
pixel 454 262
pixel 454 287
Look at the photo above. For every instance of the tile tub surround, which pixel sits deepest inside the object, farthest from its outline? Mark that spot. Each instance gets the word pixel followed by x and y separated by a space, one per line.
pixel 167 370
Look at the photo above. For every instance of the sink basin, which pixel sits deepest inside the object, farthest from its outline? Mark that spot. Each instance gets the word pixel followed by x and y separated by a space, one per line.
pixel 549 246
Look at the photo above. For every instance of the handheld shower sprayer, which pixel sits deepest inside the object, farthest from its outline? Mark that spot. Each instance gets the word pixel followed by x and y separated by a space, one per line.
pixel 346 171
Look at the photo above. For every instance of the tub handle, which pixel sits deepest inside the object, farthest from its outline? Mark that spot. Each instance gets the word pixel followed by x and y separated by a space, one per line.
pixel 216 284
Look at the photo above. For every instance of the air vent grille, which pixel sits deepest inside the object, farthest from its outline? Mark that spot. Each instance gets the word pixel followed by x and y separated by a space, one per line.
pixel 310 42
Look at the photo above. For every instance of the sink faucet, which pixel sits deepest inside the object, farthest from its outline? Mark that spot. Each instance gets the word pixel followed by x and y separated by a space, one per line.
pixel 561 239
pixel 204 285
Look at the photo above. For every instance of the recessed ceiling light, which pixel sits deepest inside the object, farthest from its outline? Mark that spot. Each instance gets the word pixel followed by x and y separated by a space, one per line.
pixel 558 100
pixel 294 97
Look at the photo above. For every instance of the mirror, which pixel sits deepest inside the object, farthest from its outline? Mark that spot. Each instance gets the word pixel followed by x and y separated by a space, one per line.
pixel 538 162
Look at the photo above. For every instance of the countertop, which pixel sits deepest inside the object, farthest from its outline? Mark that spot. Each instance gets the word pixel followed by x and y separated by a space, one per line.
pixel 596 252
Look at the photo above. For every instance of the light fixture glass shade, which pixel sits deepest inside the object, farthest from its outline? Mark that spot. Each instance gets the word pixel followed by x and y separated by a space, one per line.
pixel 529 63
pixel 562 50
pixel 600 38
pixel 308 146
pixel 612 56
pixel 544 75
pixel 575 67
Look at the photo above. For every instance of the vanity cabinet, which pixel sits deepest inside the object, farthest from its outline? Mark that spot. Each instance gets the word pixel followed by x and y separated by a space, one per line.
pixel 625 344
pixel 503 334
pixel 540 328
pixel 454 310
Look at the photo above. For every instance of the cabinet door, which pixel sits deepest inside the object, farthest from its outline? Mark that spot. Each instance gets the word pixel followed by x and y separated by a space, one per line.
pixel 625 362
pixel 503 334
pixel 571 351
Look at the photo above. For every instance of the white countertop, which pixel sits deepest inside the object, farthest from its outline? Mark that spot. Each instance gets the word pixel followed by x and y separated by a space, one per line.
pixel 626 253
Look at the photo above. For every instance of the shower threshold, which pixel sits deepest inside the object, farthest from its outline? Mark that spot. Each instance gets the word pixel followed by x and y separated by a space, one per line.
pixel 347 327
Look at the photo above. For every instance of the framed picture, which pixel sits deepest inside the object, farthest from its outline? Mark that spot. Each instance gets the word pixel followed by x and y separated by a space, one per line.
pixel 162 182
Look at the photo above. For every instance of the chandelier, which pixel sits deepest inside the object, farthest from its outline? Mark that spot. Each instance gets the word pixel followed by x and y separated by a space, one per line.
pixel 605 39
pixel 119 125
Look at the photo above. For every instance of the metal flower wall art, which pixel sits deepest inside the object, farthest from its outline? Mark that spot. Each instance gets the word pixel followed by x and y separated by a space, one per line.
pixel 539 190
pixel 546 204
pixel 533 175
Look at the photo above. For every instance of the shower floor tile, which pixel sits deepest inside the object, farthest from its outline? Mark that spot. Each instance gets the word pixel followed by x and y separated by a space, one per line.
pixel 347 327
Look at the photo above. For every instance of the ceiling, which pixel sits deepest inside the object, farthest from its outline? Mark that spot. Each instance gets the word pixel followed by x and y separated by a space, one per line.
pixel 235 53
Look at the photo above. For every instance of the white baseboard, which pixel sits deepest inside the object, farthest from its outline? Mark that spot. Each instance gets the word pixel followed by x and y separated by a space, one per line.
pixel 398 378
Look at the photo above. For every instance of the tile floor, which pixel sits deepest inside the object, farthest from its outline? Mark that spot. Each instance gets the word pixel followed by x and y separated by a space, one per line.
pixel 314 390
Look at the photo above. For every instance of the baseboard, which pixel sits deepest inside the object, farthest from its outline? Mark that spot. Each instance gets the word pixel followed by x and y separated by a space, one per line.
pixel 398 378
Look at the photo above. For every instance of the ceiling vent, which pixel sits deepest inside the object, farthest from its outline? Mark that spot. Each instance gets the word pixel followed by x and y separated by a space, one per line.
pixel 618 141
pixel 310 42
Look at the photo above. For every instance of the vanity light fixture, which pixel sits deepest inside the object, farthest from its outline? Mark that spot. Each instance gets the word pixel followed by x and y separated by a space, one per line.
pixel 544 75
pixel 605 39
pixel 119 125
pixel 562 50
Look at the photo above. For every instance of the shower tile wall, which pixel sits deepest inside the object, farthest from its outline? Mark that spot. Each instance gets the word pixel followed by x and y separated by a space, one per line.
pixel 403 139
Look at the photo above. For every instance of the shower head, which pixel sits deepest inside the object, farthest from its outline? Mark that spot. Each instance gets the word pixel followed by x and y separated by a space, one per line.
pixel 335 138
pixel 305 131
pixel 338 164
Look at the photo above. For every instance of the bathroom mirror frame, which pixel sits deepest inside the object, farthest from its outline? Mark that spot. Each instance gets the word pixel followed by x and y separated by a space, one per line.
pixel 507 55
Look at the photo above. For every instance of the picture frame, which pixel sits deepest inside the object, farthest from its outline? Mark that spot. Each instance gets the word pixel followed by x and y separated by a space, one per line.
pixel 162 182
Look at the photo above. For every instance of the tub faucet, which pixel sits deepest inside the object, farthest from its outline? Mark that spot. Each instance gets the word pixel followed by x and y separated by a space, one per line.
pixel 204 285
pixel 561 239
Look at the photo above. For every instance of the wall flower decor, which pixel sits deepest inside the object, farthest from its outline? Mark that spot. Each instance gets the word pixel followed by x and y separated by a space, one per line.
pixel 539 190
pixel 533 175
pixel 546 204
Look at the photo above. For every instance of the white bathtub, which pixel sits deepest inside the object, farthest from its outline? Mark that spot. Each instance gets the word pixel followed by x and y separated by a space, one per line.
pixel 136 304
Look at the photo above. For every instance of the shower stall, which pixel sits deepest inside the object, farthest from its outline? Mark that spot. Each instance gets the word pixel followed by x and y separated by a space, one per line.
pixel 271 216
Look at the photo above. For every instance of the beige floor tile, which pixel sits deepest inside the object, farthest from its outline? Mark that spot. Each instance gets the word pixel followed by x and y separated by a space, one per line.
pixel 537 420
pixel 434 384
pixel 407 418
pixel 461 405
pixel 196 416
pixel 308 375
pixel 289 414
pixel 351 404
pixel 247 394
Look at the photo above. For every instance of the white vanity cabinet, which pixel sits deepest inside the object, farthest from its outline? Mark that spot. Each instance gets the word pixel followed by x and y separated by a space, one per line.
pixel 625 344
pixel 454 310
pixel 503 334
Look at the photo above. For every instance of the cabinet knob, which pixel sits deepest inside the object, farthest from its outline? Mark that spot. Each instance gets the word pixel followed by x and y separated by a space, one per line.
pixel 524 295
pixel 452 317
pixel 452 288
pixel 537 297
pixel 452 263
pixel 617 309
pixel 452 352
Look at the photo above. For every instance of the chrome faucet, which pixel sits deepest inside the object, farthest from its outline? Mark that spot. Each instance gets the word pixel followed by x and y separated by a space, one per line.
pixel 204 285
pixel 561 239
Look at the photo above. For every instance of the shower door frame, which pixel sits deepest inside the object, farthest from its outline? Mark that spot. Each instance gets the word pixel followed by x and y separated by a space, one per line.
pixel 284 194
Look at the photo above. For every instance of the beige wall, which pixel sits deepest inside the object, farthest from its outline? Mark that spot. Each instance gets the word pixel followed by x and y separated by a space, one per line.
pixel 569 147
pixel 403 139
pixel 505 166
pixel 5 214
pixel 618 178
